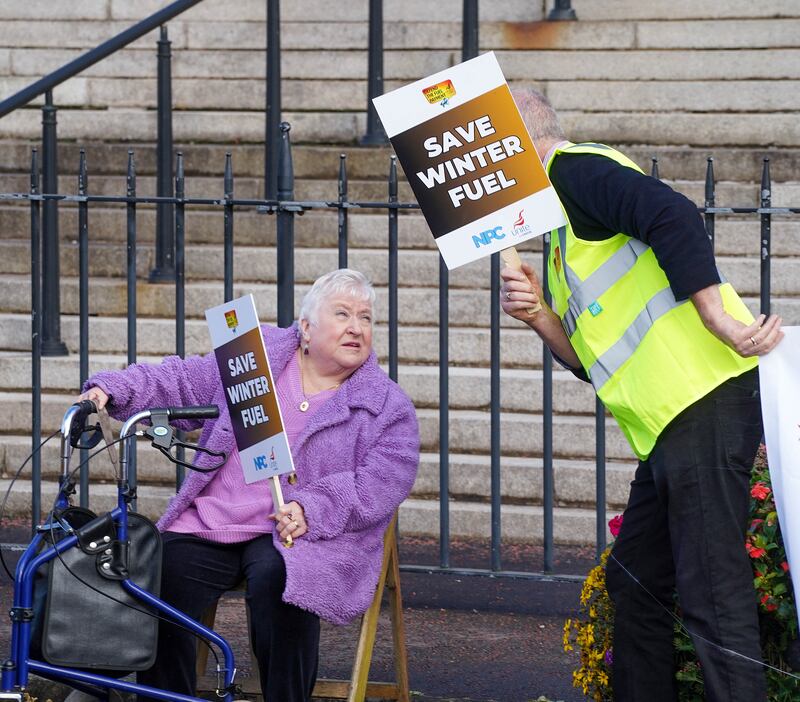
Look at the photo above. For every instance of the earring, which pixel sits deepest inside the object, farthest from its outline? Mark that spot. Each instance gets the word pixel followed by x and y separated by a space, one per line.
pixel 305 350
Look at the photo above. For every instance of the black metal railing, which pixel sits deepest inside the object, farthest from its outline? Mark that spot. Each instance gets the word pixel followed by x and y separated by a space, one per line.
pixel 51 343
pixel 171 204
pixel 562 10
pixel 286 209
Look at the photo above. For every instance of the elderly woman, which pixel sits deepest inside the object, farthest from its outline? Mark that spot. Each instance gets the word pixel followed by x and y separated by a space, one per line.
pixel 355 442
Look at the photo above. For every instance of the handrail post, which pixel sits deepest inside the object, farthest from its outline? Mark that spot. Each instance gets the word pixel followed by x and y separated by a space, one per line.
pixel 83 304
pixel 562 10
pixel 708 217
pixel 766 237
pixel 469 30
pixel 272 140
pixel 51 294
pixel 285 226
pixel 130 182
pixel 164 270
pixel 180 289
pixel 342 211
pixel 375 134
pixel 36 345
pixel 228 226
pixel 548 481
pixel 394 279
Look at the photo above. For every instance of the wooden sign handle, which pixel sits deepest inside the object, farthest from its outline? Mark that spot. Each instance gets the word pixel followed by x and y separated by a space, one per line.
pixel 512 260
pixel 277 503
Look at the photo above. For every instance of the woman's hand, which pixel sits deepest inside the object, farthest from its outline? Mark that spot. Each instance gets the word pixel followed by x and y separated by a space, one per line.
pixel 290 520
pixel 97 396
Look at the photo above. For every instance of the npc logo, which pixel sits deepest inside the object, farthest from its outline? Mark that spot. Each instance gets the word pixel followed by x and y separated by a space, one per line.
pixel 487 237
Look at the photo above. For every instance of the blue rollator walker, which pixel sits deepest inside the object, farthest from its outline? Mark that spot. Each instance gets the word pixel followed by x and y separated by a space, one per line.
pixel 62 614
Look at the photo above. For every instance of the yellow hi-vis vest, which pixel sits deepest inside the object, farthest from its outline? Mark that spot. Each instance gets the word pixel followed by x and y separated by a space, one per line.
pixel 648 355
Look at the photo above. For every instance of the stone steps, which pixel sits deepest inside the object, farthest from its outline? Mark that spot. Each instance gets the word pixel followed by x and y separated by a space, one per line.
pixel 416 306
pixel 405 34
pixel 520 388
pixel 736 252
pixel 156 337
pixel 312 95
pixel 410 64
pixel 323 10
pixel 572 525
pixel 395 11
pixel 622 10
pixel 417 344
pixel 731 194
pixel 774 129
pixel 737 235
pixel 469 429
pixel 469 474
pixel 321 162
pixel 689 77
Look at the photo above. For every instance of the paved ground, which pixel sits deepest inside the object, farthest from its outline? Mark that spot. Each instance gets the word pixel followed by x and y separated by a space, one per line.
pixel 474 639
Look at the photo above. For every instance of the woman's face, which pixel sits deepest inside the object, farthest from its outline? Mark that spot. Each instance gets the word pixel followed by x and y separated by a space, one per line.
pixel 342 335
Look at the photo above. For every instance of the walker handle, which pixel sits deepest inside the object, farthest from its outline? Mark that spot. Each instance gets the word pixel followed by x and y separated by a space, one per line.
pixel 195 412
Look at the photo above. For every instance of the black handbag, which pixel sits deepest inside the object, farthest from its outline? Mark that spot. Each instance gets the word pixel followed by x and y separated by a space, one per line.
pixel 83 617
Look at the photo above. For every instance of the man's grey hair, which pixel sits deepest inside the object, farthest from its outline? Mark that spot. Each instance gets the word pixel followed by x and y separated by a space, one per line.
pixel 538 114
pixel 344 281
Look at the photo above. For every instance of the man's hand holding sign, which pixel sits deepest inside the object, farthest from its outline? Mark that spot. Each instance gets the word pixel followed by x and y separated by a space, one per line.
pixel 471 164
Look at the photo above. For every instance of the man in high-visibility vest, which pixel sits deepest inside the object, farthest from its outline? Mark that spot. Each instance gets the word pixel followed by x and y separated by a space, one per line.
pixel 640 310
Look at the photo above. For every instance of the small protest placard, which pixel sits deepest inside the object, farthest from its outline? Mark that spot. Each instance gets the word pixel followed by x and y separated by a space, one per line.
pixel 470 160
pixel 249 389
pixel 779 374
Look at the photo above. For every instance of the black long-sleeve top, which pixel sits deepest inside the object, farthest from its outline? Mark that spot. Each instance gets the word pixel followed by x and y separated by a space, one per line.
pixel 603 198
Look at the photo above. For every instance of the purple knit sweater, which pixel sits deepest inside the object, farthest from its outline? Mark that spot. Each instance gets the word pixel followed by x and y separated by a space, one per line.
pixel 228 510
pixel 357 460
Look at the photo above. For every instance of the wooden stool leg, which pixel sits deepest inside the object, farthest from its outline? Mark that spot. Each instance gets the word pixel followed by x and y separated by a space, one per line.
pixel 369 626
pixel 398 627
pixel 358 687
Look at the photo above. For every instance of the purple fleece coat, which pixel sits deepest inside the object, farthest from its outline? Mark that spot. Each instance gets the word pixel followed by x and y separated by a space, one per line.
pixel 356 462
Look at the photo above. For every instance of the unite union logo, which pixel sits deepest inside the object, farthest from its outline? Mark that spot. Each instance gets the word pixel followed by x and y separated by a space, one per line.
pixel 519 228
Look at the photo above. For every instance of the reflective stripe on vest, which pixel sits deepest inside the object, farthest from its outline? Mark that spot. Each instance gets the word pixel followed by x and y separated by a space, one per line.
pixel 584 293
pixel 611 361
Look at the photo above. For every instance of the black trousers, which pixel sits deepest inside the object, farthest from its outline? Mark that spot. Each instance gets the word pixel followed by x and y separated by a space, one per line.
pixel 684 527
pixel 285 638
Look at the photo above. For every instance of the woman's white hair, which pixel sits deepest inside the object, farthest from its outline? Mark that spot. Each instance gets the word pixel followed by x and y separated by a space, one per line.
pixel 344 281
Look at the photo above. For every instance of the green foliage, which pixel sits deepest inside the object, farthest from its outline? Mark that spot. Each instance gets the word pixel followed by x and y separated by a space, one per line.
pixel 592 631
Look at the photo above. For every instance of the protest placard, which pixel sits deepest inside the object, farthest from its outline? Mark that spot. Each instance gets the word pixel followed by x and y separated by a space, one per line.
pixel 779 373
pixel 250 393
pixel 470 160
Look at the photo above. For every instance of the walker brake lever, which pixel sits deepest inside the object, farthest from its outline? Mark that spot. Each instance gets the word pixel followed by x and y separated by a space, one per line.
pixel 162 436
pixel 197 449
pixel 78 427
